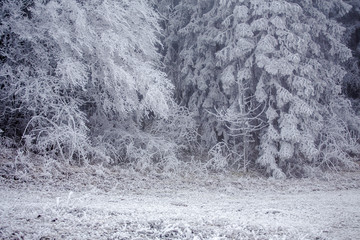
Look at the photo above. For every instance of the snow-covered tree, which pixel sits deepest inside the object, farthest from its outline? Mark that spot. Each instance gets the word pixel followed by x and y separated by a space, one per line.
pixel 262 79
pixel 290 57
pixel 77 74
pixel 351 85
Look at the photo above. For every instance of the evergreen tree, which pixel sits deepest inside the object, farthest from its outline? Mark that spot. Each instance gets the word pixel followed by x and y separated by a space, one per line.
pixel 286 56
pixel 351 85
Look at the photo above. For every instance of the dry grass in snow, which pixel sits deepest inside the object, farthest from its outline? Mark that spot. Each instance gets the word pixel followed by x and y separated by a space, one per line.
pixel 101 203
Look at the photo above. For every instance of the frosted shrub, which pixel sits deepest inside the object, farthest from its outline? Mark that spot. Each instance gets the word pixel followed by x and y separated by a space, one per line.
pixel 157 146
pixel 140 150
pixel 179 126
pixel 339 140
pixel 219 157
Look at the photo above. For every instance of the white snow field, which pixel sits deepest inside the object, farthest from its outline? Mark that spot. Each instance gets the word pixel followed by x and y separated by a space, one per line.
pixel 128 205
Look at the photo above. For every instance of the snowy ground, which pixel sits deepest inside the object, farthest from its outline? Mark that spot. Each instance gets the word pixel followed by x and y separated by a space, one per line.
pixel 218 207
pixel 98 203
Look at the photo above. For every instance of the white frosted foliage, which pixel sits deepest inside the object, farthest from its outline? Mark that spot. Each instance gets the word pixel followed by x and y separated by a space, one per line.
pixel 243 30
pixel 228 79
pixel 260 24
pixel 92 68
pixel 278 22
pixel 266 44
pixel 289 130
pixel 276 63
pixel 241 13
pixel 260 93
pixel 286 150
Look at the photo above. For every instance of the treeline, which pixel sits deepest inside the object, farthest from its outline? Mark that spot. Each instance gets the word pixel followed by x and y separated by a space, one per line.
pixel 270 86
